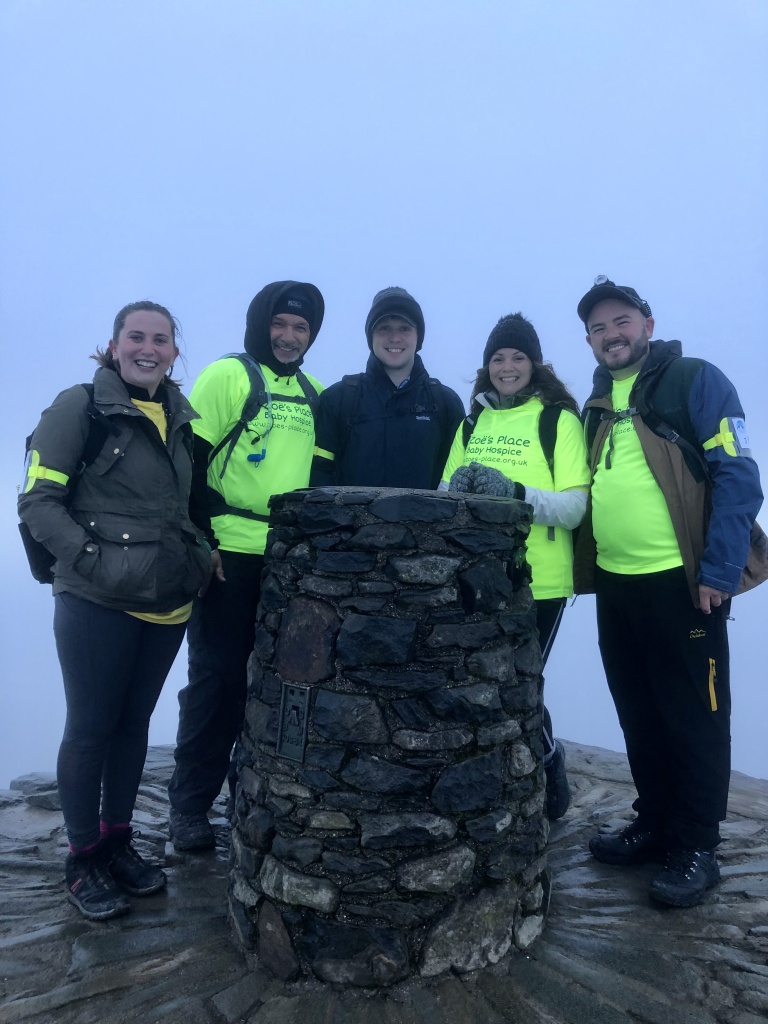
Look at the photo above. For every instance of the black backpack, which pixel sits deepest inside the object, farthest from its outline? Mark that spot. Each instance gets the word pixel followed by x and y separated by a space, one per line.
pixel 99 428
pixel 548 420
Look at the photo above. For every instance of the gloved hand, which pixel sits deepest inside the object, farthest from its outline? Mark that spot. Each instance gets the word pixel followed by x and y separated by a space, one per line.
pixel 462 480
pixel 487 480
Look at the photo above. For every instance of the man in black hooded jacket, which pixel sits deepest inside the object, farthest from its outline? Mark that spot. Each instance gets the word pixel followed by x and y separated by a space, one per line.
pixel 238 466
pixel 393 425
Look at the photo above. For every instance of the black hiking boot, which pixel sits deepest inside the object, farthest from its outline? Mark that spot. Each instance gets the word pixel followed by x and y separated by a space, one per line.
pixel 634 844
pixel 685 877
pixel 92 889
pixel 558 791
pixel 129 869
pixel 191 831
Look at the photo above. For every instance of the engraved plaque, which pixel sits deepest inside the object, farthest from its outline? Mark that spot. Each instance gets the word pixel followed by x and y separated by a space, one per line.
pixel 294 711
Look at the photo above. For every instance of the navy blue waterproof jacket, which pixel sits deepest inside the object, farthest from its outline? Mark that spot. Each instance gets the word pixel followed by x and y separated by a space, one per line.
pixel 701 404
pixel 370 433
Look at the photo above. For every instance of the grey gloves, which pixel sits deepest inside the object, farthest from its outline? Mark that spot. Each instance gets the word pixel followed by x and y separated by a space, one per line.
pixel 478 479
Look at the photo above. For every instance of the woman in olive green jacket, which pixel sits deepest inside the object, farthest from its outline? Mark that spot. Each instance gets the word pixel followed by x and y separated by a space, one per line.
pixel 128 561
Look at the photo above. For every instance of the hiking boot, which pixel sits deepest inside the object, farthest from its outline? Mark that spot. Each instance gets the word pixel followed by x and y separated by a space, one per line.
pixel 685 877
pixel 558 793
pixel 191 831
pixel 129 869
pixel 634 844
pixel 91 887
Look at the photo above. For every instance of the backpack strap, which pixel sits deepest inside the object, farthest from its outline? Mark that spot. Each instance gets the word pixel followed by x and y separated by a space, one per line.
pixel 258 396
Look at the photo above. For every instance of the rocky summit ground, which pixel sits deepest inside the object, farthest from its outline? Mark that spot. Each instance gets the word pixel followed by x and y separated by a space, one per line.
pixel 607 956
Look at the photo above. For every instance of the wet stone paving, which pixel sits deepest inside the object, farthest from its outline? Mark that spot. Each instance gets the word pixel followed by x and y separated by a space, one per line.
pixel 607 954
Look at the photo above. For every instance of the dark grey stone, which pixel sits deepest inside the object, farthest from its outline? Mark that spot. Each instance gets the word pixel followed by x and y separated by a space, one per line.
pixel 272 595
pixel 299 555
pixel 298 851
pixel 375 640
pixel 469 636
pixel 324 755
pixel 486 588
pixel 321 586
pixel 264 644
pixel 427 598
pixel 389 831
pixel 305 646
pixel 528 657
pixel 354 955
pixel 405 914
pixel 352 801
pixel 319 779
pixel 349 718
pixel 412 713
pixel 478 702
pixel 440 739
pixel 501 510
pixel 258 829
pixel 262 722
pixel 412 680
pixel 375 587
pixel 275 948
pixel 323 518
pixel 383 536
pixel 475 932
pixel 520 698
pixel 432 570
pixel 345 561
pixel 491 826
pixel 357 866
pixel 366 605
pixel 497 663
pixel 469 785
pixel 376 775
pixel 423 508
pixel 481 542
pixel 373 885
pixel 297 889
pixel 447 871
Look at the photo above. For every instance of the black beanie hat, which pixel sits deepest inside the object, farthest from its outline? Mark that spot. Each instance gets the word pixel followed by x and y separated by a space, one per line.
pixel 298 301
pixel 395 302
pixel 513 331
pixel 603 288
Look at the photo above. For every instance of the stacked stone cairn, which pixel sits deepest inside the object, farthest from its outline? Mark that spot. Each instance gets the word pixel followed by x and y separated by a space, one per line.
pixel 392 824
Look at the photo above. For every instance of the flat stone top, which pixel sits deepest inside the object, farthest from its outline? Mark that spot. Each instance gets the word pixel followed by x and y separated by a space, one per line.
pixel 607 956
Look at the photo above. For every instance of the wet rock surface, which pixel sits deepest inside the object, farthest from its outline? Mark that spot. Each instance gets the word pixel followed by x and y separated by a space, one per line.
pixel 606 956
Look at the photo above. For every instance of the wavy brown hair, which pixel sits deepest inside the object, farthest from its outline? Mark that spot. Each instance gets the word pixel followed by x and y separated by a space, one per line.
pixel 544 384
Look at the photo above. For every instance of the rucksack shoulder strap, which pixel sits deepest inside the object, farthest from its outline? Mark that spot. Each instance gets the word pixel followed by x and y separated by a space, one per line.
pixel 258 396
pixel 548 420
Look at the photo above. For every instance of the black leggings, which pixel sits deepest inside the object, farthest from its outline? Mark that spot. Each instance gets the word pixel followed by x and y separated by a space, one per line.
pixel 549 615
pixel 114 666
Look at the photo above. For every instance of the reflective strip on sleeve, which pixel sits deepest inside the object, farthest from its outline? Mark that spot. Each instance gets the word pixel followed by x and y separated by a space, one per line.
pixel 324 454
pixel 732 437
pixel 34 471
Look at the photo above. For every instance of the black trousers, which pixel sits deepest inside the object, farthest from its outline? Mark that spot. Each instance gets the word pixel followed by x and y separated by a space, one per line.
pixel 114 667
pixel 549 615
pixel 212 704
pixel 667 668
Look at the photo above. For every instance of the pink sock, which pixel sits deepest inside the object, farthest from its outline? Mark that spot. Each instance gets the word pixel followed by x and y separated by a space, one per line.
pixel 118 831
pixel 80 851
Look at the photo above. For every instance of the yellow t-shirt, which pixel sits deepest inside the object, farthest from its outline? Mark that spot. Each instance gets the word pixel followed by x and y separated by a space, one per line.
pixel 508 440
pixel 287 439
pixel 630 519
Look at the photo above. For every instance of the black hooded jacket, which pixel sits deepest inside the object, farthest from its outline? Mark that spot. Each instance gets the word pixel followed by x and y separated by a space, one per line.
pixel 370 433
pixel 259 319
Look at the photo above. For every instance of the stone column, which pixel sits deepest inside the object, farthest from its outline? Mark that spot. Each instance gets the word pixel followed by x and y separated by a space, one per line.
pixel 390 808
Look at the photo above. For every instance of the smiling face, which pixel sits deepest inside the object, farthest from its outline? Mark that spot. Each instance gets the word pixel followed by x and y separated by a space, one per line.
pixel 289 336
pixel 510 371
pixel 619 335
pixel 393 342
pixel 144 350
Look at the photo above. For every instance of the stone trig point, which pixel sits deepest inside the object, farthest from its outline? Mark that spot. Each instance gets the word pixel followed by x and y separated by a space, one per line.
pixel 389 817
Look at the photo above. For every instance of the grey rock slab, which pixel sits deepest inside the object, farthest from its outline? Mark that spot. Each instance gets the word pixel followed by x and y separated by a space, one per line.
pixel 476 931
pixel 289 886
pixel 434 570
pixel 34 782
pixel 446 871
pixel 348 718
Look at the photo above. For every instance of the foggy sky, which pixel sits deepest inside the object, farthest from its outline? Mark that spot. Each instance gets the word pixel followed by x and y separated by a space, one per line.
pixel 488 157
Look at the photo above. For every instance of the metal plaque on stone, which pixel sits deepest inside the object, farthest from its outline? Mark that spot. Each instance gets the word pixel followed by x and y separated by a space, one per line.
pixel 294 712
